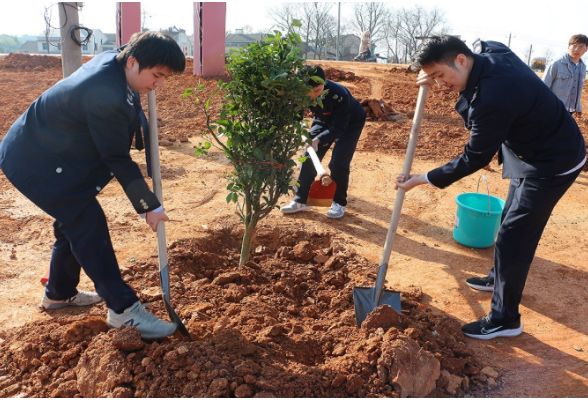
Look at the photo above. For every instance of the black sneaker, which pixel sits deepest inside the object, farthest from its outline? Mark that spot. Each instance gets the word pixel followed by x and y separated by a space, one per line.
pixel 484 329
pixel 485 284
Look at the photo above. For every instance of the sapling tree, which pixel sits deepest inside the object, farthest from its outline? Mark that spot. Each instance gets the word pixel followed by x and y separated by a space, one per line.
pixel 260 128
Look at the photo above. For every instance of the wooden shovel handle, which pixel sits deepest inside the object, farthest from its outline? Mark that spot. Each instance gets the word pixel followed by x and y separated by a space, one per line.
pixel 410 150
pixel 156 179
pixel 325 177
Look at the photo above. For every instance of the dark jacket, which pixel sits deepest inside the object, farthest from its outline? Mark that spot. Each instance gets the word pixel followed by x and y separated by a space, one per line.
pixel 508 108
pixel 340 109
pixel 74 139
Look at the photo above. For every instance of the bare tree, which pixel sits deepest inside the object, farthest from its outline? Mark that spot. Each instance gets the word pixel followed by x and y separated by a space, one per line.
pixel 306 13
pixel 320 22
pixel 407 24
pixel 391 37
pixel 315 18
pixel 282 14
pixel 549 55
pixel 327 36
pixel 371 17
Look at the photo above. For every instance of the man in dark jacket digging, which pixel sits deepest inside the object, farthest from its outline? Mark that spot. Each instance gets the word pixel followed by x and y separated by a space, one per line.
pixel 340 120
pixel 509 110
pixel 67 146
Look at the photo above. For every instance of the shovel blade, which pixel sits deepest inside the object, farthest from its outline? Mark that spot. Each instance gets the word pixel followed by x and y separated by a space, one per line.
pixel 164 277
pixel 364 300
pixel 321 196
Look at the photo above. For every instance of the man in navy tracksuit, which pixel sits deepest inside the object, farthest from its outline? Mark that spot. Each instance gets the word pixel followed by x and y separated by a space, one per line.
pixel 67 146
pixel 509 110
pixel 339 120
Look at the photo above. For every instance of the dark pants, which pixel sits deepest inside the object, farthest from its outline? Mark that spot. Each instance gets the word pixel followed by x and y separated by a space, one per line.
pixel 527 209
pixel 364 55
pixel 339 166
pixel 85 243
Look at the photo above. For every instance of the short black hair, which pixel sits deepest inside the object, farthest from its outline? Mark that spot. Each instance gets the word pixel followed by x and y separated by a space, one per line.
pixel 153 49
pixel 440 50
pixel 579 38
pixel 315 70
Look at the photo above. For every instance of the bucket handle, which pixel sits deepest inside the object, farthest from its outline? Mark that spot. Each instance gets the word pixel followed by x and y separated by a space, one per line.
pixel 487 190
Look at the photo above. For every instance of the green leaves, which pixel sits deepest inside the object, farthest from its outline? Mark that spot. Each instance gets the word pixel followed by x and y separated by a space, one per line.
pixel 232 197
pixel 259 124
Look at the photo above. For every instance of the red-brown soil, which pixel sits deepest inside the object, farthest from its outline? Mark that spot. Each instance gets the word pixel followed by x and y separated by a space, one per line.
pixel 283 324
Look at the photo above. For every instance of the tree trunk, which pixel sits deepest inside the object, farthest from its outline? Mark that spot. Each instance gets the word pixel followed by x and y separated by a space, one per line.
pixel 307 44
pixel 316 40
pixel 247 238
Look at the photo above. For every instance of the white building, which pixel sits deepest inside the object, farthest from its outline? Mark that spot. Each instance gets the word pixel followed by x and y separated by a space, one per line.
pixel 184 41
pixel 98 42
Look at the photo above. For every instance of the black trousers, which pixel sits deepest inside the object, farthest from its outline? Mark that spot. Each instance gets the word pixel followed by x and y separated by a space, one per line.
pixel 528 207
pixel 340 164
pixel 85 243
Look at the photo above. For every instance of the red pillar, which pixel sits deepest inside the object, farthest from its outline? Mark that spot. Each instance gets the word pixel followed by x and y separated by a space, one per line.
pixel 197 39
pixel 128 21
pixel 209 38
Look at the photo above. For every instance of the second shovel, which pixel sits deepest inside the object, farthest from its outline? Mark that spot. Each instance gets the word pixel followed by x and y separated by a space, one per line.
pixel 322 191
pixel 365 299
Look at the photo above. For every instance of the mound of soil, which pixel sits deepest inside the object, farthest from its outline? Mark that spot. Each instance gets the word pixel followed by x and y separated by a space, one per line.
pixel 282 325
pixel 26 62
pixel 378 110
pixel 337 75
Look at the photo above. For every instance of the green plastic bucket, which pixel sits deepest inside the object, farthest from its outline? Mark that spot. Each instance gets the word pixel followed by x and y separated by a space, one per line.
pixel 477 219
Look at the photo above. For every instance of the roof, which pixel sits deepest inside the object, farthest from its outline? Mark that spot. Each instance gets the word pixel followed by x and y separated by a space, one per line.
pixel 29 45
pixel 244 37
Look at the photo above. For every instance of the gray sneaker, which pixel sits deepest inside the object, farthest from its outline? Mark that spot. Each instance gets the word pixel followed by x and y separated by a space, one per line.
pixel 294 207
pixel 79 300
pixel 336 211
pixel 148 324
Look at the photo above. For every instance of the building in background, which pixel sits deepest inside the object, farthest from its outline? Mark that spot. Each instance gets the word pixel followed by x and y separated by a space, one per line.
pixel 185 42
pixel 237 40
pixel 98 42
pixel 348 49
pixel 348 46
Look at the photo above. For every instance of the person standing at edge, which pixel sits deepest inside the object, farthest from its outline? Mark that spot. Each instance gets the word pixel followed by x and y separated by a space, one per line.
pixel 566 76
pixel 67 146
pixel 340 120
pixel 509 110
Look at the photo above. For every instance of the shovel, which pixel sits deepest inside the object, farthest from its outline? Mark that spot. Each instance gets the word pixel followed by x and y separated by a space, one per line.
pixel 366 299
pixel 161 245
pixel 322 191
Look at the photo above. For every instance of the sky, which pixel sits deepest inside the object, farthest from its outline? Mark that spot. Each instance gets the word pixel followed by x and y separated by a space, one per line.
pixel 546 25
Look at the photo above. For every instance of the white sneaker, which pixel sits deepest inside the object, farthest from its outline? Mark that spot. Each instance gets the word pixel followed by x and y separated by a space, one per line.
pixel 148 324
pixel 336 211
pixel 294 207
pixel 80 299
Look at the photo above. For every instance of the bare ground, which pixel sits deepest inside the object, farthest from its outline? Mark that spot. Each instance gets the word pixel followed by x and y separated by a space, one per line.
pixel 283 324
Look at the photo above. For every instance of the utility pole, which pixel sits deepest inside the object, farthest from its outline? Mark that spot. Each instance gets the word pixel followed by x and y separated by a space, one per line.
pixel 338 30
pixel 71 52
pixel 509 37
pixel 529 58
